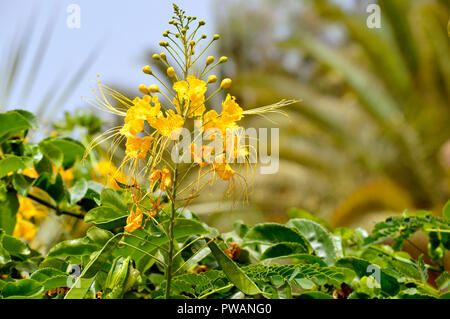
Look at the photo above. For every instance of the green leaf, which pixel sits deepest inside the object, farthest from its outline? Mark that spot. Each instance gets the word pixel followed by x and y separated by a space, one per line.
pixel 52 152
pixel 21 289
pixel 446 211
pixel 363 268
pixel 12 123
pixel 44 274
pixel 98 235
pixel 78 190
pixel 74 247
pixel 182 228
pixel 83 283
pixel 5 257
pixel 15 247
pixel 50 278
pixel 72 150
pixel 56 189
pixel 271 233
pixel 106 217
pixel 319 239
pixel 284 250
pixel 30 117
pixel 44 166
pixel 10 164
pixel 22 184
pixel 8 212
pixel 301 213
pixel 111 198
pixel 233 272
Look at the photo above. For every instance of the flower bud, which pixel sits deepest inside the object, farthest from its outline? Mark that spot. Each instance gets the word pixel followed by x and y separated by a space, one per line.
pixel 192 43
pixel 209 60
pixel 226 83
pixel 121 278
pixel 153 88
pixel 156 56
pixel 216 37
pixel 166 33
pixel 147 70
pixel 143 89
pixel 212 79
pixel 203 36
pixel 201 22
pixel 171 72
pixel 183 30
pixel 163 56
pixel 223 59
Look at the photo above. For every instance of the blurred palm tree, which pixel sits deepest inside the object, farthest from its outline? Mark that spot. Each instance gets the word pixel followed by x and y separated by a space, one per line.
pixel 23 60
pixel 370 133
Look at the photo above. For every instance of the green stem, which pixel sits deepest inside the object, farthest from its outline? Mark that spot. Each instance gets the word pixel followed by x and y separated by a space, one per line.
pixel 171 235
pixel 58 211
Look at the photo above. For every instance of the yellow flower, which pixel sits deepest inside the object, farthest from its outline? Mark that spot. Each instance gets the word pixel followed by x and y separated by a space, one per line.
pixel 212 120
pixel 164 176
pixel 137 147
pixel 30 172
pixel 24 229
pixel 28 210
pixel 166 180
pixel 67 175
pixel 199 154
pixel 224 170
pixel 190 93
pixel 109 170
pixel 169 125
pixel 231 111
pixel 141 111
pixel 134 220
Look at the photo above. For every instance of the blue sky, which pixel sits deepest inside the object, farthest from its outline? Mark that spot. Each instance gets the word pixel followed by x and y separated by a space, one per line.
pixel 122 30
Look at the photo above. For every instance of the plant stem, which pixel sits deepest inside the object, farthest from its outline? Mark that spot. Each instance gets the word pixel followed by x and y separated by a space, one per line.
pixel 58 211
pixel 171 234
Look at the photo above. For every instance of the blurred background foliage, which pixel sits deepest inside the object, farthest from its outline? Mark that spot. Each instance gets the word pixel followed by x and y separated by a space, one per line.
pixel 371 135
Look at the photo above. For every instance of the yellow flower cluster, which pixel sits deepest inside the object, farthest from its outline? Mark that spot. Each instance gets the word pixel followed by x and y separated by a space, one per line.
pixel 150 125
pixel 27 211
pixel 190 93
